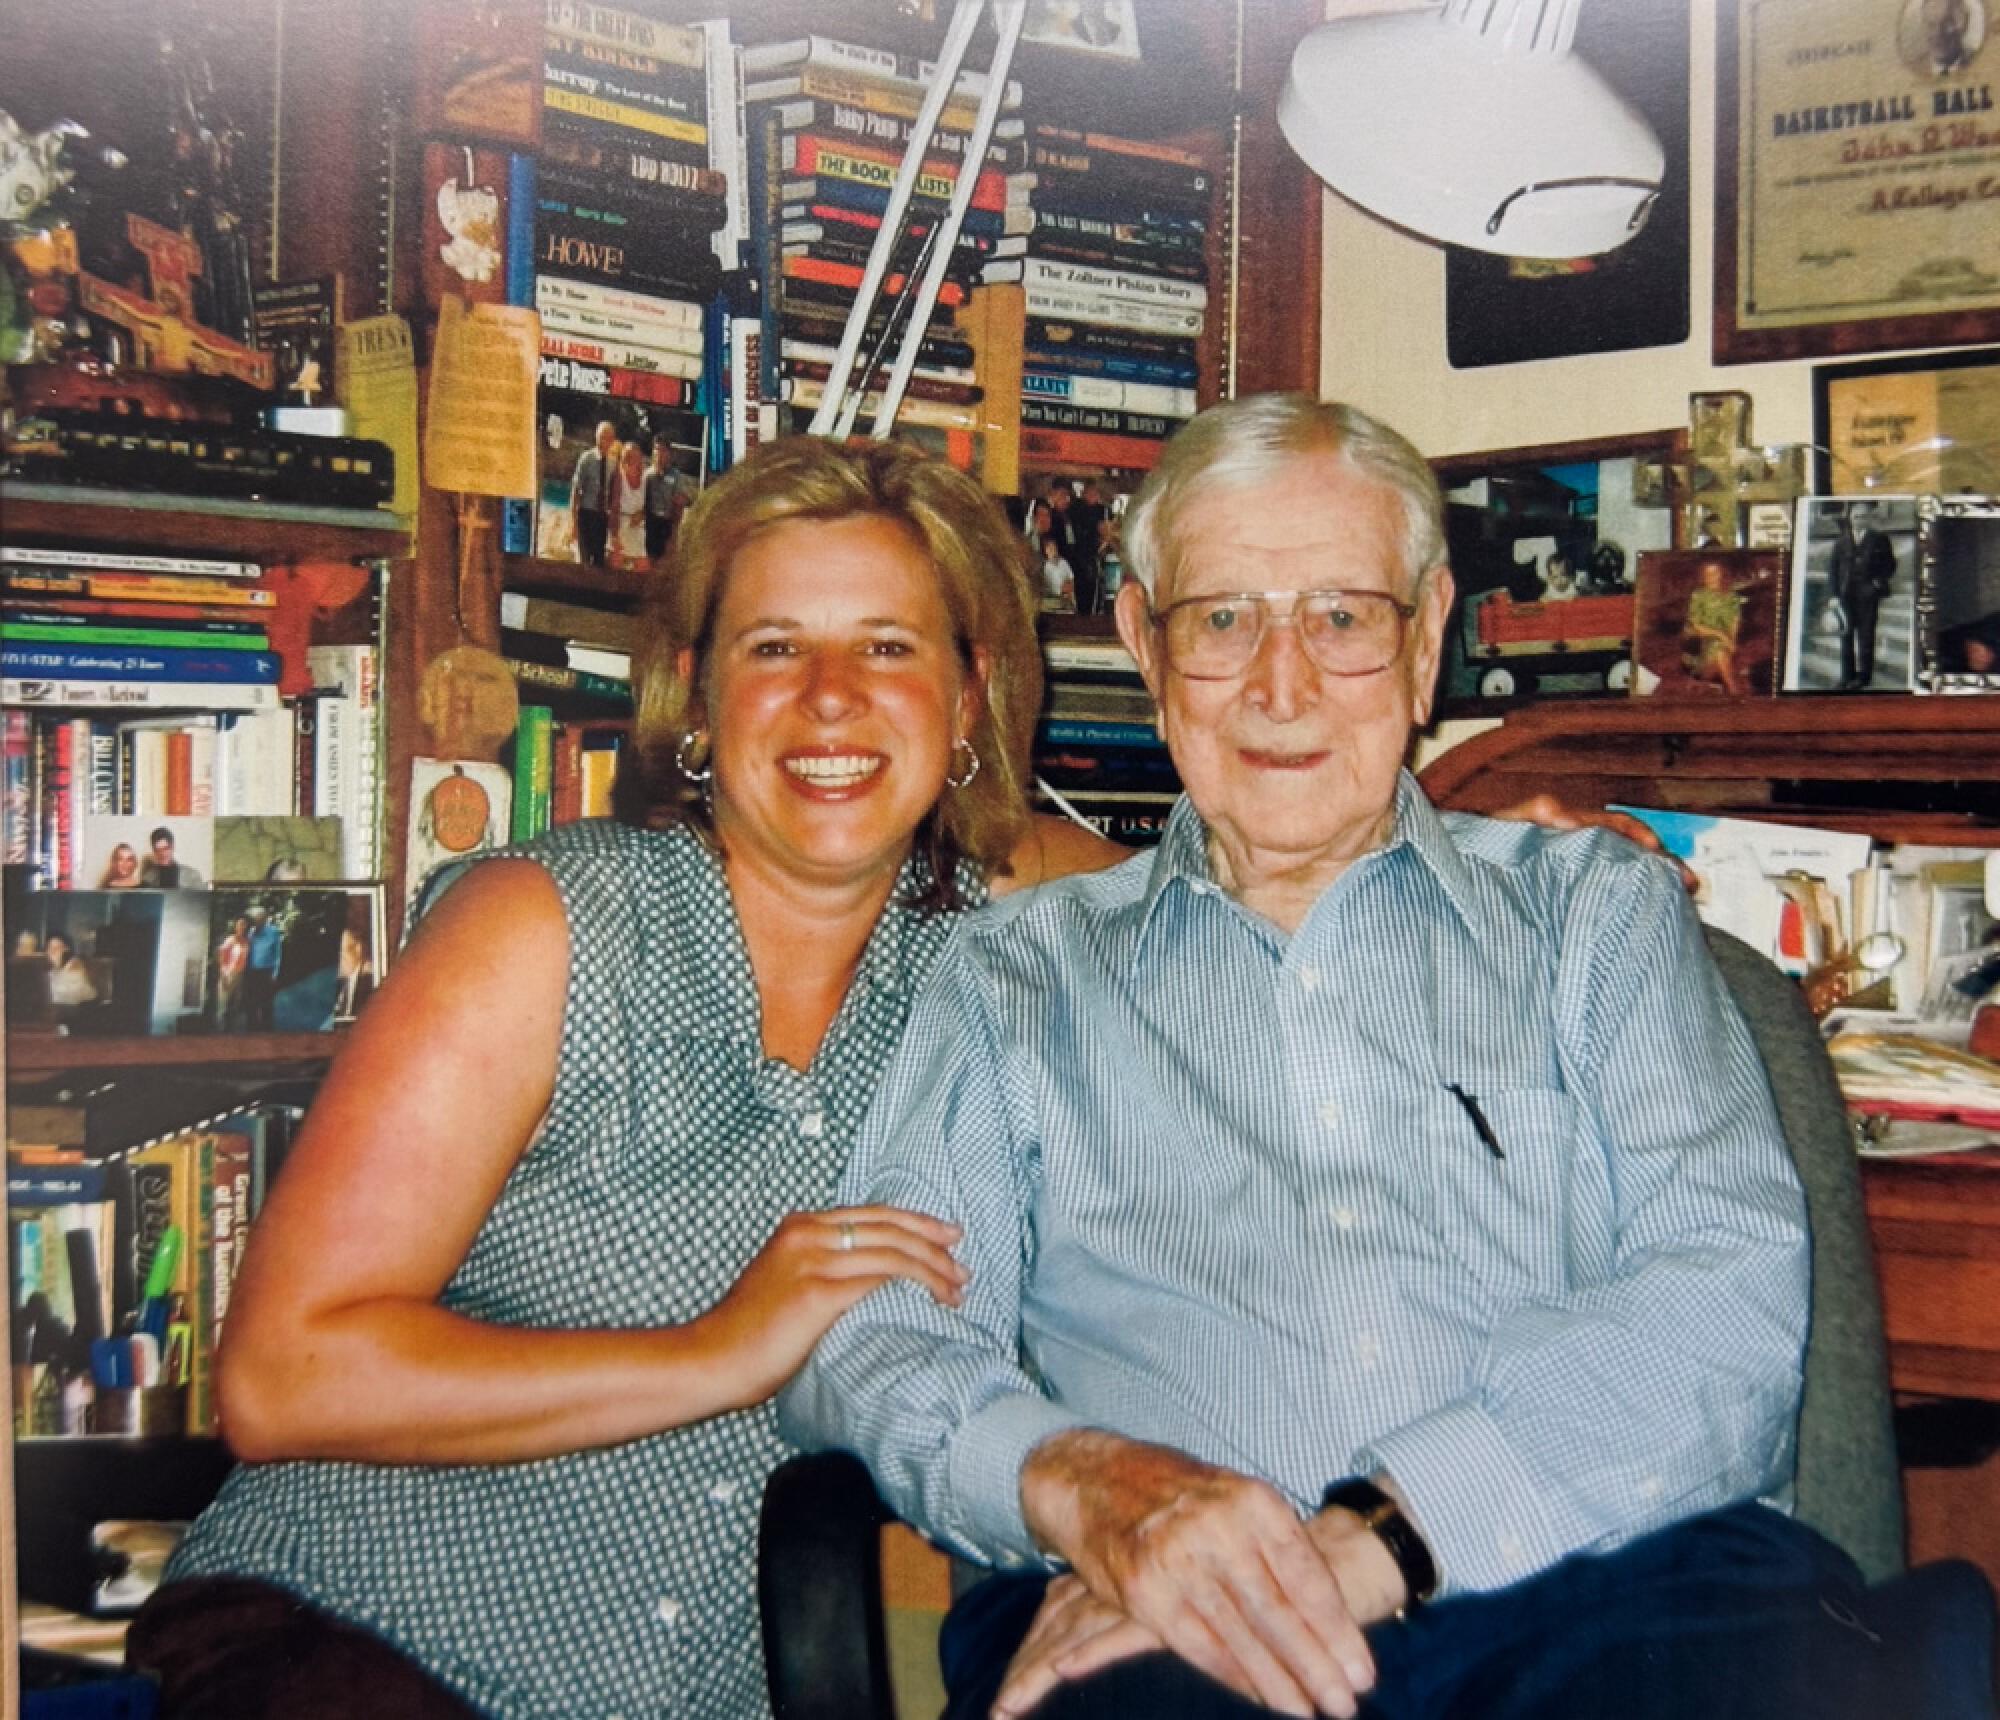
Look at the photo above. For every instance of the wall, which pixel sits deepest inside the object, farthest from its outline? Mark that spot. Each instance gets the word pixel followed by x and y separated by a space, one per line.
pixel 1382 341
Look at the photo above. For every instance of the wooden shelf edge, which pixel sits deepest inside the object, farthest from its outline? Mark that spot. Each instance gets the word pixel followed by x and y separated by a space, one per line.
pixel 609 586
pixel 199 523
pixel 36 1053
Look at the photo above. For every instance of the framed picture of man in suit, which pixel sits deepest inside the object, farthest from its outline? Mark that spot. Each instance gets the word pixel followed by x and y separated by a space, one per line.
pixel 1851 623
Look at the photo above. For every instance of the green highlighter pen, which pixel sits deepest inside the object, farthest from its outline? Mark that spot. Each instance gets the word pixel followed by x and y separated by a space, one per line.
pixel 159 1281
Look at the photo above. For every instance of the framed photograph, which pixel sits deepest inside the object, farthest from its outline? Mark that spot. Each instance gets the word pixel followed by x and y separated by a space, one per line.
pixel 1103 27
pixel 169 852
pixel 1544 544
pixel 291 958
pixel 1958 594
pixel 1855 148
pixel 1851 614
pixel 106 961
pixel 1706 623
pixel 1928 424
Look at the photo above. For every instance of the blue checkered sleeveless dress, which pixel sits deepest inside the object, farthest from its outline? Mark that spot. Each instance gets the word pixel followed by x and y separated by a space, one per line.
pixel 617 1582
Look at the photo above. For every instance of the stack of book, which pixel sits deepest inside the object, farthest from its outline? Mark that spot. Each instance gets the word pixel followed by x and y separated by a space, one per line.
pixel 1117 293
pixel 122 1263
pixel 827 125
pixel 145 687
pixel 618 233
pixel 1096 746
pixel 564 770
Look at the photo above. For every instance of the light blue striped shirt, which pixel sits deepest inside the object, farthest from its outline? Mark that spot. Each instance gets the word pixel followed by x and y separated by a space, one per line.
pixel 1218 1193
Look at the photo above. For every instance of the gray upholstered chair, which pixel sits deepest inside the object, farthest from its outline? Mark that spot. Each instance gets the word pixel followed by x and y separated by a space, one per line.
pixel 819 1571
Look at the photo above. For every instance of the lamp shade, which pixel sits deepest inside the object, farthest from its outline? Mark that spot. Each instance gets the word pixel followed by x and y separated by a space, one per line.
pixel 1474 125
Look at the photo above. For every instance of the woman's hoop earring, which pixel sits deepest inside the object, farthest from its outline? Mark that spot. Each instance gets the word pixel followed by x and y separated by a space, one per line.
pixel 693 739
pixel 960 776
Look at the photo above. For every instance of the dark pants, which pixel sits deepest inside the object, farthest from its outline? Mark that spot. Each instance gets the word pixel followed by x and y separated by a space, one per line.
pixel 1857 641
pixel 226 1648
pixel 593 530
pixel 1743 1613
pixel 659 527
pixel 259 991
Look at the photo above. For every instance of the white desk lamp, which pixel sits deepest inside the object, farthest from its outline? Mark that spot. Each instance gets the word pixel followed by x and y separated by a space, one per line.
pixel 1474 124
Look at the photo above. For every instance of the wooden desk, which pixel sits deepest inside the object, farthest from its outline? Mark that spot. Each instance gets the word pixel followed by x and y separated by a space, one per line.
pixel 1936 1226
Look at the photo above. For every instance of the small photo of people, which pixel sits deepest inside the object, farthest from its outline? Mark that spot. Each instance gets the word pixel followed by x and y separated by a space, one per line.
pixel 296 959
pixel 1707 622
pixel 105 961
pixel 146 853
pixel 1851 621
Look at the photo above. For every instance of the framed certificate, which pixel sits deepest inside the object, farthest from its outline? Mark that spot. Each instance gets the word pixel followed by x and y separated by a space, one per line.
pixel 1857 176
pixel 1928 422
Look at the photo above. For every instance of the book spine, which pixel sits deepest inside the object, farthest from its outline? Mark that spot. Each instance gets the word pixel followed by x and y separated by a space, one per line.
pixel 1086 448
pixel 1061 415
pixel 122 561
pixel 1115 284
pixel 352 671
pixel 61 631
pixel 303 769
pixel 812 160
pixel 901 97
pixel 566 775
pixel 62 761
pixel 16 826
pixel 1102 392
pixel 627 160
pixel 556 293
pixel 1138 148
pixel 132 663
pixel 1063 335
pixel 1052 222
pixel 201 1240
pixel 180 774
pixel 840 204
pixel 154 695
pixel 533 771
pixel 804 392
pixel 615 28
pixel 648 386
pixel 619 344
pixel 848 277
pixel 886 131
pixel 585 250
pixel 1103 160
pixel 660 129
pixel 201 772
pixel 823 51
pixel 1088 201
pixel 919 387
pixel 1106 312
pixel 643 83
pixel 807 352
pixel 1116 366
pixel 1091 253
pixel 149 588
pixel 578 681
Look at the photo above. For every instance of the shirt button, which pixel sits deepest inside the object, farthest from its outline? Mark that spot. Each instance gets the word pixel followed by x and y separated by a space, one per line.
pixel 722 1492
pixel 1344 1217
pixel 812 1125
pixel 1329 1113
pixel 1309 979
pixel 668 1612
pixel 1649 1488
pixel 1367 1351
pixel 1511 1549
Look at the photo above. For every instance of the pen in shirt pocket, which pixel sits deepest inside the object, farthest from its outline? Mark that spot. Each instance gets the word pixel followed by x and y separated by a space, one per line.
pixel 1477 1118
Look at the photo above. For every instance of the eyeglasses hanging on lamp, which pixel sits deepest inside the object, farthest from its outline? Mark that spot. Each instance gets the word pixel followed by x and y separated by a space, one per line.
pixel 1474 124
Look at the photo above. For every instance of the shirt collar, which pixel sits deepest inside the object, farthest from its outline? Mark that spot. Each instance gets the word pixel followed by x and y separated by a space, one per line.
pixel 1180 862
pixel 712 980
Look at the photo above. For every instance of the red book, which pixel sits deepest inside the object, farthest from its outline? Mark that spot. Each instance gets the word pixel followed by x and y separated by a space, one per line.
pixel 1089 448
pixel 849 275
pixel 566 785
pixel 180 773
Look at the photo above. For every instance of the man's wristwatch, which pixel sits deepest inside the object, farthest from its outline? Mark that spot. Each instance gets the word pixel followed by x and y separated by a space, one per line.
pixel 1385 1520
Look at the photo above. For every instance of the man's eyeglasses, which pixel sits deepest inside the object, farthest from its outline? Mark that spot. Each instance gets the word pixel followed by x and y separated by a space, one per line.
pixel 1342 632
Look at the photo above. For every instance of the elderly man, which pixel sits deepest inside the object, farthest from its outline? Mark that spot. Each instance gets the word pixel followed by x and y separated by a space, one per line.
pixel 1363 1208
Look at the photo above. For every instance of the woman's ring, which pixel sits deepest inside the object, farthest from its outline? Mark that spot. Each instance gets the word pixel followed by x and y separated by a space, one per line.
pixel 847 1236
